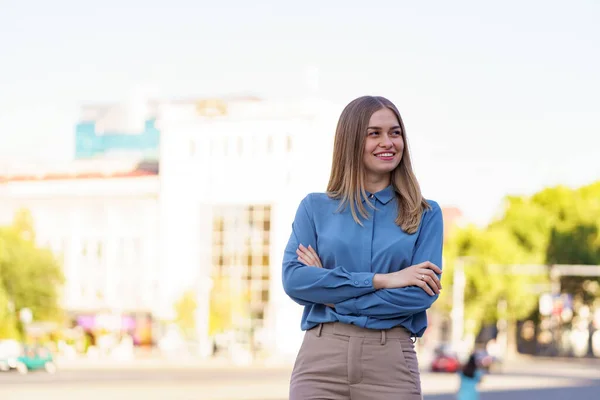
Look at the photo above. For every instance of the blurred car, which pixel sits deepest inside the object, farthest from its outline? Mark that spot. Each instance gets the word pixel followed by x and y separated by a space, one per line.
pixel 36 358
pixel 10 350
pixel 445 360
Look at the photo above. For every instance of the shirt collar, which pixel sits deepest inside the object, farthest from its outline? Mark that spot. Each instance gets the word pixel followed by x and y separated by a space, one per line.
pixel 384 196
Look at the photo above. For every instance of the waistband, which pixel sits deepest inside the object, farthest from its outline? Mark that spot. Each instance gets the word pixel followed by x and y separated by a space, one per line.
pixel 341 329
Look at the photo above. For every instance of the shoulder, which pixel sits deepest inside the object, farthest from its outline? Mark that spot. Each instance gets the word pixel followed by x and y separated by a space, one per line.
pixel 318 200
pixel 432 215
pixel 433 210
pixel 317 205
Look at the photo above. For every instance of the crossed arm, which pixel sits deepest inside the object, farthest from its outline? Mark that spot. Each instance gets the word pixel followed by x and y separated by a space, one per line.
pixel 397 294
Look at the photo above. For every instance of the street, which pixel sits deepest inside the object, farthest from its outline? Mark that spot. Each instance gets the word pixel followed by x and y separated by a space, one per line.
pixel 548 380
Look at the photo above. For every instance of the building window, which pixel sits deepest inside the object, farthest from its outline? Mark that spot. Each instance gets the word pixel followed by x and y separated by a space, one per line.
pixel 241 258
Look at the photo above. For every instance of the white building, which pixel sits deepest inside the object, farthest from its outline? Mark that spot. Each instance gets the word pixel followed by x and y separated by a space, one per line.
pixel 231 176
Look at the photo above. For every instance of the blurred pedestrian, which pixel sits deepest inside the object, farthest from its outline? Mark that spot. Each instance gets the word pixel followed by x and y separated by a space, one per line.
pixel 470 377
pixel 364 259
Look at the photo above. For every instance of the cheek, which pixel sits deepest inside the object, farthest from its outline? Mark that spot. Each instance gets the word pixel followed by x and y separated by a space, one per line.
pixel 369 148
pixel 400 146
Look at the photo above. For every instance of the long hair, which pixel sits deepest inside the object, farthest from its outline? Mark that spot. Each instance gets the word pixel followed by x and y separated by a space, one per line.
pixel 470 367
pixel 347 179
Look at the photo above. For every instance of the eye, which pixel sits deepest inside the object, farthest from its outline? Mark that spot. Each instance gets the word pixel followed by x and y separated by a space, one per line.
pixel 397 133
pixel 372 133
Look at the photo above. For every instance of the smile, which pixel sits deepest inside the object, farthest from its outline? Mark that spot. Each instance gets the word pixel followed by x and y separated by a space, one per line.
pixel 385 155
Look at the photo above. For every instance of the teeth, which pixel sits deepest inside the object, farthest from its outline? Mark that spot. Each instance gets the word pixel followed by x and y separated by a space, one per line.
pixel 385 155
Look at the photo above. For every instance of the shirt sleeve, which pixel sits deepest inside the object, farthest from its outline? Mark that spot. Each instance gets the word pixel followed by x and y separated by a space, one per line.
pixel 406 301
pixel 308 285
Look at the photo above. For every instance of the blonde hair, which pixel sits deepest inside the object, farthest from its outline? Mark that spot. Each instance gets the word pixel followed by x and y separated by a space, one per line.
pixel 346 181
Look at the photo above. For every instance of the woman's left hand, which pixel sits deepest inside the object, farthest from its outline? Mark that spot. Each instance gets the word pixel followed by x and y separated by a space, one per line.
pixel 308 256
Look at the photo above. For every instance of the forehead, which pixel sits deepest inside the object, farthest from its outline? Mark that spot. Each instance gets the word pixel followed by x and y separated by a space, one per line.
pixel 383 118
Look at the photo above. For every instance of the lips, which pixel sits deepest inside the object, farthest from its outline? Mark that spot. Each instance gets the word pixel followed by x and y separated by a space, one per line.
pixel 386 154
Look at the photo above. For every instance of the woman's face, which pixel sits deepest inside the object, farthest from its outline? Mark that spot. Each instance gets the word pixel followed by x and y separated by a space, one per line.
pixel 384 145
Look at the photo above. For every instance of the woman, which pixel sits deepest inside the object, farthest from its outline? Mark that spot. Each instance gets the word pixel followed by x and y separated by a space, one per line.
pixel 470 377
pixel 364 259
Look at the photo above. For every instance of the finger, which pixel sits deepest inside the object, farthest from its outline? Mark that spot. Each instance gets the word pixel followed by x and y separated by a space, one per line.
pixel 303 256
pixel 304 253
pixel 303 261
pixel 315 255
pixel 306 259
pixel 434 268
pixel 431 283
pixel 308 262
pixel 431 266
pixel 300 253
pixel 433 277
pixel 425 287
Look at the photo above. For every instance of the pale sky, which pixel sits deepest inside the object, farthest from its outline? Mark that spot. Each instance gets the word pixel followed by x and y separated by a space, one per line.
pixel 497 97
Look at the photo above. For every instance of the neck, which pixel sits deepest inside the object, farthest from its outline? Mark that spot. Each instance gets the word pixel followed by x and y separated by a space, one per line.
pixel 374 184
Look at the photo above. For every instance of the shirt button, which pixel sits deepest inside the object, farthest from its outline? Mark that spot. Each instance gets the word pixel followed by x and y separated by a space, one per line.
pixel 371 196
pixel 366 281
pixel 356 282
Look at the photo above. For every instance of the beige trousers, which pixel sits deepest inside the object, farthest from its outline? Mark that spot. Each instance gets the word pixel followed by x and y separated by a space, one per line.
pixel 340 361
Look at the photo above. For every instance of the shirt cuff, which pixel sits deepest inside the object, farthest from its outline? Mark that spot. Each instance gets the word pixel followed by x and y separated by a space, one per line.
pixel 362 279
pixel 359 280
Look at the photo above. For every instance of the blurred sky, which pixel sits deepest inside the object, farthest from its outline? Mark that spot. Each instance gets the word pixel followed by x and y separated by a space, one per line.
pixel 498 97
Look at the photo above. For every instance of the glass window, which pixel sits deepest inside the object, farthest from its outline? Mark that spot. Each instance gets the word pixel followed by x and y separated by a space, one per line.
pixel 241 251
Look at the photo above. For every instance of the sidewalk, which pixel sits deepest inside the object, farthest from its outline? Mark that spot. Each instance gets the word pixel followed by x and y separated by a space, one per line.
pixel 156 361
pixel 161 362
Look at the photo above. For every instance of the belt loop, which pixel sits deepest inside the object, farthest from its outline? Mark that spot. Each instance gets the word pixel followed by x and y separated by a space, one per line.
pixel 382 338
pixel 319 329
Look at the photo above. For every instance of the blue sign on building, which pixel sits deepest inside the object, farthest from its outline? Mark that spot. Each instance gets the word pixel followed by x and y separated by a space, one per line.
pixel 89 143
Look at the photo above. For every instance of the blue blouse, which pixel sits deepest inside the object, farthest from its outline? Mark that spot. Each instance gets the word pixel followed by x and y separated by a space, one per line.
pixel 351 255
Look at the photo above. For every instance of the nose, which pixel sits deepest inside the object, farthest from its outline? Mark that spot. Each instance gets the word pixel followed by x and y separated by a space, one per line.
pixel 386 142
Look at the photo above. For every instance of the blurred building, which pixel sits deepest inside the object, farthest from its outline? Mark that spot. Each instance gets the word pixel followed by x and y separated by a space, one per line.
pixel 197 196
pixel 116 131
pixel 101 219
pixel 214 220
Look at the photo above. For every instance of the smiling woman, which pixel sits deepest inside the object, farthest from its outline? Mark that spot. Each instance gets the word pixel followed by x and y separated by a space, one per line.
pixel 364 259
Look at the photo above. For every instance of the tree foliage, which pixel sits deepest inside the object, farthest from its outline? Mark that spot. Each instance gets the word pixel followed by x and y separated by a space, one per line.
pixel 557 225
pixel 228 305
pixel 185 314
pixel 30 277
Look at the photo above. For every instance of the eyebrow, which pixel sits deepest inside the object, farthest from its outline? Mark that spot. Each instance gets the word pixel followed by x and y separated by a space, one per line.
pixel 379 128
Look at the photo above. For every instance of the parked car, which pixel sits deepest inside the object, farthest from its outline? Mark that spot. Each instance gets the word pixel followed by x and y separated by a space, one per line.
pixel 10 350
pixel 445 360
pixel 36 358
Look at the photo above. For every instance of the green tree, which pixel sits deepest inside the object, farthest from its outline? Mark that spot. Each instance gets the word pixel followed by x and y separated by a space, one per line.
pixel 575 237
pixel 185 314
pixel 555 225
pixel 30 276
pixel 8 320
pixel 228 304
pixel 488 281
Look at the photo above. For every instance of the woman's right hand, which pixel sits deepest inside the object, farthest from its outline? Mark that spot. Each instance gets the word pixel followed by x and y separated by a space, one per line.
pixel 422 275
